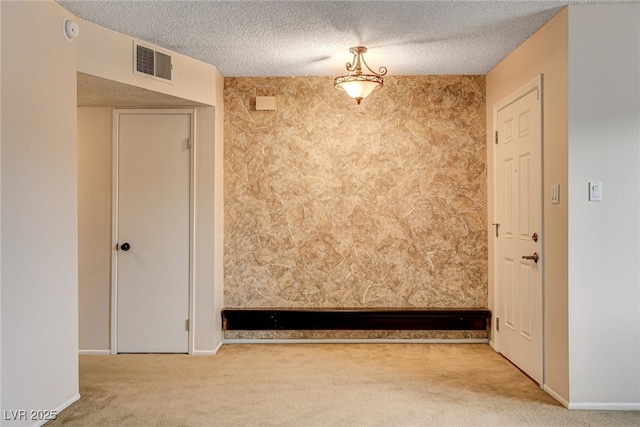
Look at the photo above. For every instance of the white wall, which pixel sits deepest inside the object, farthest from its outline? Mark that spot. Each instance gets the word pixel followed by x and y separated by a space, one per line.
pixel 109 55
pixel 218 260
pixel 94 227
pixel 604 237
pixel 545 52
pixel 39 210
pixel 205 313
pixel 0 210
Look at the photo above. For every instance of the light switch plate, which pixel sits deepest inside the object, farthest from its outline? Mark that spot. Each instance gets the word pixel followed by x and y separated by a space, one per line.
pixel 595 191
pixel 555 194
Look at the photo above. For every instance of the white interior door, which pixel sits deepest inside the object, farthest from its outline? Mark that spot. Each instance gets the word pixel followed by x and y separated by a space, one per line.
pixel 519 245
pixel 152 231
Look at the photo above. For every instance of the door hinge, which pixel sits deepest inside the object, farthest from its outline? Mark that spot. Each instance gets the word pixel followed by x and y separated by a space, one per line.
pixel 188 142
pixel 497 225
pixel 186 325
pixel 497 324
pixel 496 137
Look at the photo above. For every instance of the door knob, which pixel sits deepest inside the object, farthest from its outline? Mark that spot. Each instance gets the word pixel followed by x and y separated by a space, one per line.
pixel 534 257
pixel 125 246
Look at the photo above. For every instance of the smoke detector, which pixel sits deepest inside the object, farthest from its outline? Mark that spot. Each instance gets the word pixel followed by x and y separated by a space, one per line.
pixel 70 29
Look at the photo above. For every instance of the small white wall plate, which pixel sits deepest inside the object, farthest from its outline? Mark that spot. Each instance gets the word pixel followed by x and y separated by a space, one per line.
pixel 265 103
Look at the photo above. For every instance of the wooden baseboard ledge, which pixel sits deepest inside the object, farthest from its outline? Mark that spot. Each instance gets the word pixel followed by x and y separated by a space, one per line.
pixel 472 319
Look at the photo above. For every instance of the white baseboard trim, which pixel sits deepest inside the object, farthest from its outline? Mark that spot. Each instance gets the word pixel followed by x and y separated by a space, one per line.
pixel 94 352
pixel 355 341
pixel 203 352
pixel 108 352
pixel 59 409
pixel 556 396
pixel 606 406
pixel 208 352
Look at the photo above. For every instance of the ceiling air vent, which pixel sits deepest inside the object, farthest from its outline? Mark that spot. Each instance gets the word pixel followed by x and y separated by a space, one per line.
pixel 152 63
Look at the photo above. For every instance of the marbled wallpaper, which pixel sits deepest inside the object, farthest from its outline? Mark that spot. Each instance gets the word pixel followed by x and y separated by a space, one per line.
pixel 331 204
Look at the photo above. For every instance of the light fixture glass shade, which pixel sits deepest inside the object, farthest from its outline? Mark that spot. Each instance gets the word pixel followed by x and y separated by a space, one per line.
pixel 356 84
pixel 358 89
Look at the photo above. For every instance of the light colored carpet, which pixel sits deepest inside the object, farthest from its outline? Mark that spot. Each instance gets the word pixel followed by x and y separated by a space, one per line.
pixel 320 385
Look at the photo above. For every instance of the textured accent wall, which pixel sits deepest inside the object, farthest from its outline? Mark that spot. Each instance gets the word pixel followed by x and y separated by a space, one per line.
pixel 331 204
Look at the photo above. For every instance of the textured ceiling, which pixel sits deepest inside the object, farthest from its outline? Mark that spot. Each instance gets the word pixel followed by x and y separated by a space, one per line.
pixel 312 38
pixel 98 92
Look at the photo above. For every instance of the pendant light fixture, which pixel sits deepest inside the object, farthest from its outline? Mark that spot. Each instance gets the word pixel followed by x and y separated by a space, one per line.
pixel 356 84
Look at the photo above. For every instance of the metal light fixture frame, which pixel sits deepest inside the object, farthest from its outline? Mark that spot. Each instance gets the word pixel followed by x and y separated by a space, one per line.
pixel 355 72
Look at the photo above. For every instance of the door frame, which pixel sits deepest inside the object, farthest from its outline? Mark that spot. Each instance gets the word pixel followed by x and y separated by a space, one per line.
pixel 114 218
pixel 536 84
